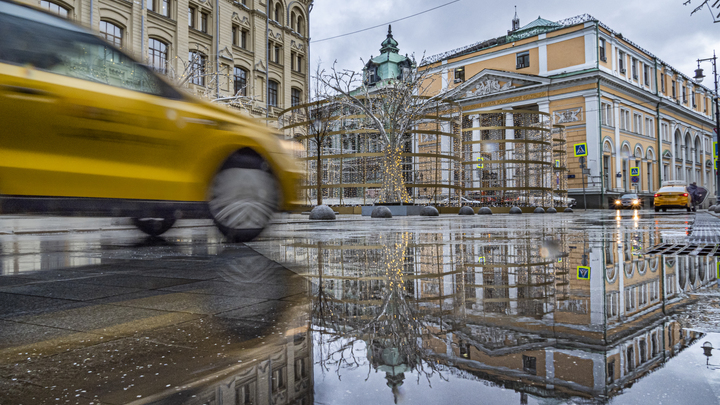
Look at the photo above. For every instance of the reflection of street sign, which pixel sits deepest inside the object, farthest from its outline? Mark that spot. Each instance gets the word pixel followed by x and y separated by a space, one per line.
pixel 634 171
pixel 583 273
pixel 481 259
pixel 559 259
pixel 717 276
pixel 580 149
pixel 479 165
pixel 557 163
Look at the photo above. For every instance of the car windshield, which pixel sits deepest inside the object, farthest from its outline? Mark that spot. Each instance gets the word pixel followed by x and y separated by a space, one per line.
pixel 629 196
pixel 672 190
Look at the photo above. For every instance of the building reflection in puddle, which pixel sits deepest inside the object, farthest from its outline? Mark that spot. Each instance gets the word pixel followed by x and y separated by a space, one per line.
pixel 515 309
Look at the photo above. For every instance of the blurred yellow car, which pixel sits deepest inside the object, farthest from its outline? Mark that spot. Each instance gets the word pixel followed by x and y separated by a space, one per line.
pixel 87 130
pixel 672 196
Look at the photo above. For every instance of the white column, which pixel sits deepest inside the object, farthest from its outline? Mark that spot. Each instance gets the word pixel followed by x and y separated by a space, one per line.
pixel 509 148
pixel 702 162
pixel 476 148
pixel 673 127
pixel 592 137
pixel 618 144
pixel 597 283
pixel 683 151
pixel 549 368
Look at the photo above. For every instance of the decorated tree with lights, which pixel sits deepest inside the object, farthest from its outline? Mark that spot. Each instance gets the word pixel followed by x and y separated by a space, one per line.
pixel 390 98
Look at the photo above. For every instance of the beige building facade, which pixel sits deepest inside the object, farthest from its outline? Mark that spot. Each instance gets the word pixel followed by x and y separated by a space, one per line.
pixel 630 108
pixel 251 51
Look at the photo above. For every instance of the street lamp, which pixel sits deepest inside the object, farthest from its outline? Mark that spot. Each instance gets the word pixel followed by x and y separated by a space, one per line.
pixel 699 76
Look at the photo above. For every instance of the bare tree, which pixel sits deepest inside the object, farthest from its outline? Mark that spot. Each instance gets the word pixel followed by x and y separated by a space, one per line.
pixel 715 4
pixel 391 108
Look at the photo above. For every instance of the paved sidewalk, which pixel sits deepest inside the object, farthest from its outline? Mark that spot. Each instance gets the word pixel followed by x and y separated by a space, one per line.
pixel 705 229
pixel 32 224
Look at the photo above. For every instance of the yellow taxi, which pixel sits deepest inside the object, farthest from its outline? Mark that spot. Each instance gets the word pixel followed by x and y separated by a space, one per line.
pixel 673 194
pixel 87 130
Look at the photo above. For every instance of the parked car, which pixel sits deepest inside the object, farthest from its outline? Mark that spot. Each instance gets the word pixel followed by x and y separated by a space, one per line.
pixel 87 130
pixel 629 201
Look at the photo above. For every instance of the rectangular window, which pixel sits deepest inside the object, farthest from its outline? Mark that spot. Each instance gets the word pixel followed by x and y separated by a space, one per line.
pixel 529 364
pixel 634 68
pixel 165 8
pixel 235 35
pixel 637 123
pixel 662 83
pixel 292 61
pixel 684 94
pixel 273 93
pixel 277 53
pixel 621 61
pixel 523 60
pixel 240 81
pixel 459 74
pixel 243 39
pixel 674 90
pixel 650 127
pixel 295 96
pixel 299 63
pixel 607 114
pixel 602 50
pixel 150 5
pixel 191 17
pixel 197 68
pixel 204 22
pixel 646 76
pixel 692 97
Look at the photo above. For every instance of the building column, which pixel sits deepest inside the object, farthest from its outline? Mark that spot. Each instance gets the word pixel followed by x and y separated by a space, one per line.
pixel 509 148
pixel 702 161
pixel 673 127
pixel 476 149
pixel 618 144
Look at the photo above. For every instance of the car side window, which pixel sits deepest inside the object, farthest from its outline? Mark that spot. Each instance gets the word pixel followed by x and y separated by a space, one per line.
pixel 75 54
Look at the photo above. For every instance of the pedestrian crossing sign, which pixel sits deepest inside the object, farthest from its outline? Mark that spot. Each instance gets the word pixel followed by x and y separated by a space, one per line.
pixel 634 171
pixel 480 164
pixel 583 273
pixel 481 259
pixel 715 150
pixel 580 149
pixel 557 163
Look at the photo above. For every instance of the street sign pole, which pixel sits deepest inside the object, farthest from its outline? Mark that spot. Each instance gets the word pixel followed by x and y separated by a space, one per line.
pixel 582 174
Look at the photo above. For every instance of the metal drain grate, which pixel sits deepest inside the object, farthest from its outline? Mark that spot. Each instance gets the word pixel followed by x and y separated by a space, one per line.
pixel 684 249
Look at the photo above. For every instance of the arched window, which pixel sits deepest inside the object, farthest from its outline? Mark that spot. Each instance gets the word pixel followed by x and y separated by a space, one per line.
pixel 678 145
pixel 300 25
pixel 158 54
pixel 697 151
pixel 688 145
pixel 292 20
pixel 62 11
pixel 112 33
pixel 278 12
pixel 240 81
pixel 273 93
pixel 197 61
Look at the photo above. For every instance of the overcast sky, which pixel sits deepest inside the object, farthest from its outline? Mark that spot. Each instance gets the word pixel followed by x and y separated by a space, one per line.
pixel 663 27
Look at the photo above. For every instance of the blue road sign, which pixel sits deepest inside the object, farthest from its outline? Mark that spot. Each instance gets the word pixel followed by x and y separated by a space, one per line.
pixel 715 149
pixel 583 273
pixel 634 171
pixel 635 179
pixel 580 149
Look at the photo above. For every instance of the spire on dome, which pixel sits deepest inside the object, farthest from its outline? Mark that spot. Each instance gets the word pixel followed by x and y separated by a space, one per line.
pixel 515 21
pixel 389 45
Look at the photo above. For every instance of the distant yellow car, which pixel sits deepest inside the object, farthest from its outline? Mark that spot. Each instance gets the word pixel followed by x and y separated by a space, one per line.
pixel 672 196
pixel 87 130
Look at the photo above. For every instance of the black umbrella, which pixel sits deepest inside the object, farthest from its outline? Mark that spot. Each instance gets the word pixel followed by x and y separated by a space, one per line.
pixel 697 193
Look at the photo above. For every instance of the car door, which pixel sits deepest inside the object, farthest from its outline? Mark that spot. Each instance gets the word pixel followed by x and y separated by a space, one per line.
pixel 84 119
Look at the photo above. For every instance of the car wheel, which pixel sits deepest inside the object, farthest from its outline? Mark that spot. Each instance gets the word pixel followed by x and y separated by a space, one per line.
pixel 664 209
pixel 243 197
pixel 154 226
pixel 657 209
pixel 688 209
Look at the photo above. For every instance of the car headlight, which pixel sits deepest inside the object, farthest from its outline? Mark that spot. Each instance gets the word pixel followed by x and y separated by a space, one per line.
pixel 636 201
pixel 618 202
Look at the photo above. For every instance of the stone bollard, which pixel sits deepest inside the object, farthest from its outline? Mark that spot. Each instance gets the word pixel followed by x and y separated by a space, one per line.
pixel 322 213
pixel 551 210
pixel 381 212
pixel 568 209
pixel 485 211
pixel 466 211
pixel 539 210
pixel 429 212
pixel 515 210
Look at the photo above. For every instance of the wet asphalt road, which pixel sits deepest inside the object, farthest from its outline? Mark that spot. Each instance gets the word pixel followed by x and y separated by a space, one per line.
pixel 408 310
